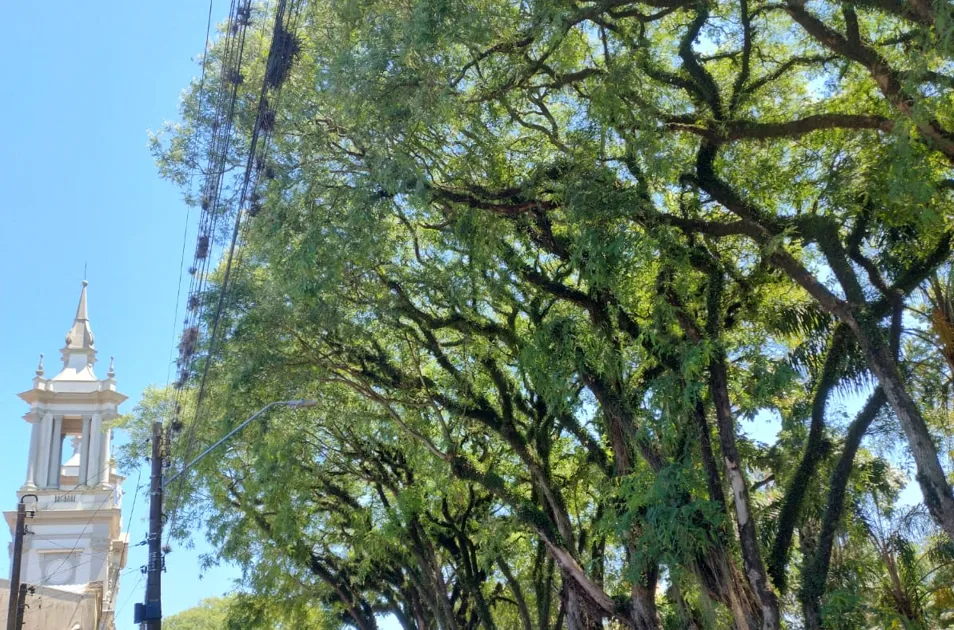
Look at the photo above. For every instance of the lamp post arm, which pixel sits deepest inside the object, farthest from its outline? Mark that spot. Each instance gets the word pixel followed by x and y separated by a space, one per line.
pixel 294 404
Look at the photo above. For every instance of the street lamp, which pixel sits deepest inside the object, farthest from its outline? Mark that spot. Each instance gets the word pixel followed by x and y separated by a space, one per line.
pixel 291 404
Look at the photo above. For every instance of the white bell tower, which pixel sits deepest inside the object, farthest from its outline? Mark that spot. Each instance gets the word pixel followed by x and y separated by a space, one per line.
pixel 75 543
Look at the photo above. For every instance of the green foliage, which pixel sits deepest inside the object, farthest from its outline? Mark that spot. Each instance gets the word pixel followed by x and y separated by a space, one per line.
pixel 536 261
pixel 210 614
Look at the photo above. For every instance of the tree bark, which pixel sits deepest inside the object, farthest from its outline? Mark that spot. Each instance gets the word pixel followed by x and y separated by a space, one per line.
pixel 751 554
pixel 930 474
pixel 745 521
pixel 815 575
pixel 812 455
pixel 717 570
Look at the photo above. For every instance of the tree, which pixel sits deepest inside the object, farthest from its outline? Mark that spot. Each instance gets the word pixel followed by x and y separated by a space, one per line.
pixel 210 614
pixel 537 261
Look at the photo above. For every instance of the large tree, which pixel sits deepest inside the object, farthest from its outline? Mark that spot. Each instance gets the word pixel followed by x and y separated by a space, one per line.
pixel 537 260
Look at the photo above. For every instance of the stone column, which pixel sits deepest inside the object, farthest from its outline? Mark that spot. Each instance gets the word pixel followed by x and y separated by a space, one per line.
pixel 33 456
pixel 43 460
pixel 104 456
pixel 95 439
pixel 56 453
pixel 84 453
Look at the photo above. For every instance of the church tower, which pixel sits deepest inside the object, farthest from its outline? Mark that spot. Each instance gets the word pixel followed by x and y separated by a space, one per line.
pixel 75 547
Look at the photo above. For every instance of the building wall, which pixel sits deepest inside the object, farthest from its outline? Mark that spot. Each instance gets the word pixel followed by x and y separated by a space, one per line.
pixel 54 609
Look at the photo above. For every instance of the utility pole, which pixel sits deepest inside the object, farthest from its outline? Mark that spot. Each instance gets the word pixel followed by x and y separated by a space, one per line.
pixel 21 606
pixel 149 614
pixel 16 589
pixel 15 573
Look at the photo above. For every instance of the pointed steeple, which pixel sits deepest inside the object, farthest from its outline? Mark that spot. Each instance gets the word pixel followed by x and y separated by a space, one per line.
pixel 80 336
pixel 79 350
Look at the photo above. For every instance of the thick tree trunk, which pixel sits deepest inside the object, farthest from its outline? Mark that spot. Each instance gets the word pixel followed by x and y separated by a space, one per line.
pixel 717 570
pixel 724 583
pixel 643 602
pixel 930 474
pixel 644 613
pixel 581 614
pixel 745 521
pixel 751 554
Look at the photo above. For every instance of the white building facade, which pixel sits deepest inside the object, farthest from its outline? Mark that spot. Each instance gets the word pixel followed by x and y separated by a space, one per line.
pixel 75 548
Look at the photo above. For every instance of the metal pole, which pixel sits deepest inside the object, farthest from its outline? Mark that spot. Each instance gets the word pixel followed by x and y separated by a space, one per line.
pixel 21 606
pixel 153 608
pixel 15 573
pixel 294 404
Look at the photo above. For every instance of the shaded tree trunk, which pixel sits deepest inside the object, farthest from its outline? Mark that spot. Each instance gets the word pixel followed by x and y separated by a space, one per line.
pixel 717 570
pixel 811 457
pixel 815 575
pixel 745 520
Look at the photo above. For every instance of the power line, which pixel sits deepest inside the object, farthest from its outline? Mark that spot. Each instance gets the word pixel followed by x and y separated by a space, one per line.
pixel 260 132
pixel 135 496
pixel 191 331
pixel 192 169
pixel 220 141
pixel 129 597
pixel 231 68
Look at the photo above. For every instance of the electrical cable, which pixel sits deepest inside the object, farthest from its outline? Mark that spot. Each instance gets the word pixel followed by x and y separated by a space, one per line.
pixel 135 496
pixel 129 597
pixel 217 159
pixel 238 229
pixel 192 160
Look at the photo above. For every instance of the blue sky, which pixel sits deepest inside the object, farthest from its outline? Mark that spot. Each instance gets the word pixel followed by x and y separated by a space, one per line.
pixel 83 83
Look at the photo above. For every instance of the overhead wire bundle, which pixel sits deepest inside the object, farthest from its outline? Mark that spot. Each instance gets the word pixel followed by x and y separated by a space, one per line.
pixel 245 201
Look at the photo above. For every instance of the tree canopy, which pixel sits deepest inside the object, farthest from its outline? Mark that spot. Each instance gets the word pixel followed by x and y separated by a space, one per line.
pixel 210 614
pixel 540 263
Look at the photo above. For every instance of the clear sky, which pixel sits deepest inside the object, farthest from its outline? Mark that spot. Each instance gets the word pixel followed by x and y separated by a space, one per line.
pixel 83 83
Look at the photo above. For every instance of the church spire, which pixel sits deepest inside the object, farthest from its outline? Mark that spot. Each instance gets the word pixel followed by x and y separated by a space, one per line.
pixel 79 339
